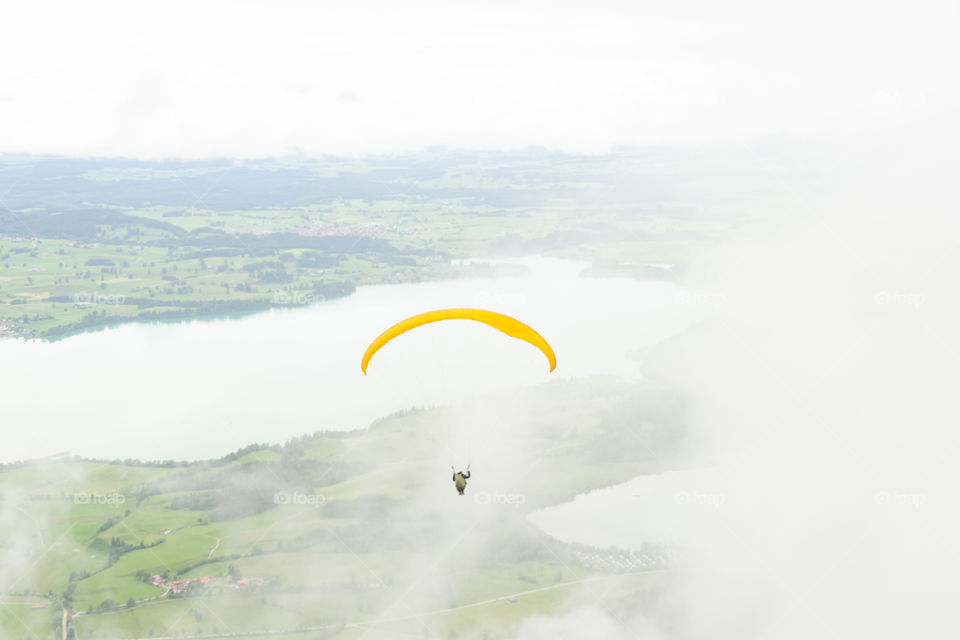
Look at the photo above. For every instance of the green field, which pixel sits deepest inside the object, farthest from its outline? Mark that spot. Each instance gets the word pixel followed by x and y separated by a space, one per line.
pixel 348 535
pixel 88 243
pixel 367 531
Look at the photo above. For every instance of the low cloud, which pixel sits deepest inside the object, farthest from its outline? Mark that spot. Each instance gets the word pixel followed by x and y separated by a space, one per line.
pixel 823 420
pixel 253 79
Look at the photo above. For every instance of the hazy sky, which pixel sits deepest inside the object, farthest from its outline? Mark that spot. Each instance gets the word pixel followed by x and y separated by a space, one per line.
pixel 262 78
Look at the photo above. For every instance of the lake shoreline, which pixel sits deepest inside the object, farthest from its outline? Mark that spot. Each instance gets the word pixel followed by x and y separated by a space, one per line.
pixel 248 307
pixel 194 388
pixel 288 299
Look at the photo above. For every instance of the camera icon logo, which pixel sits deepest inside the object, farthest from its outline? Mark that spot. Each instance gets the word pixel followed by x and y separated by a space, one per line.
pixel 482 497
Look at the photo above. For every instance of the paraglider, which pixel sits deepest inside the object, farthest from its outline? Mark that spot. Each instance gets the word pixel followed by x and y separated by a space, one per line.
pixel 510 326
pixel 460 479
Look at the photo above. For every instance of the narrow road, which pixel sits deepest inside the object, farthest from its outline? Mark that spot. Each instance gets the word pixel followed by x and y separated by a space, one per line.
pixel 355 625
pixel 138 602
pixel 210 555
pixel 36 525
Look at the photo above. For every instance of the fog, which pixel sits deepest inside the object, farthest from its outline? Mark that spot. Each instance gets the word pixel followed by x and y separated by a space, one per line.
pixel 825 421
pixel 246 79
pixel 820 405
pixel 819 398
pixel 818 402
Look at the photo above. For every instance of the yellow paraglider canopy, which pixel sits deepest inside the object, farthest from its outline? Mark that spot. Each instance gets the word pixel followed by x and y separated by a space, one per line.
pixel 510 326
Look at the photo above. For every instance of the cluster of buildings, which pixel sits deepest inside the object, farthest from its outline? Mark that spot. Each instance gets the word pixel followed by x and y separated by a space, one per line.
pixel 183 585
pixel 622 561
pixel 8 327
pixel 186 584
pixel 371 230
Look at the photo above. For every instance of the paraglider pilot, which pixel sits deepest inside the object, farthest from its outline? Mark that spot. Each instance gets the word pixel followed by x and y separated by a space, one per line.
pixel 460 479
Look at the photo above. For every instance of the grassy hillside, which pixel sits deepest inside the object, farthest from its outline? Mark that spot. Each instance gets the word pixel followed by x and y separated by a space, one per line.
pixel 334 532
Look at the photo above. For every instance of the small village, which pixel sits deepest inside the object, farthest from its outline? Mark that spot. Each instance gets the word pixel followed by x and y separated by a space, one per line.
pixel 8 327
pixel 369 230
pixel 624 561
pixel 185 585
